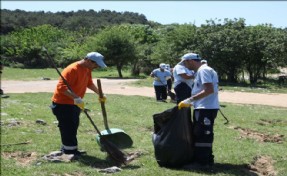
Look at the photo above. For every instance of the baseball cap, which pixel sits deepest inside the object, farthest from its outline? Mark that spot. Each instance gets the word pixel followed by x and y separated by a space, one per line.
pixel 203 61
pixel 189 56
pixel 97 57
pixel 162 65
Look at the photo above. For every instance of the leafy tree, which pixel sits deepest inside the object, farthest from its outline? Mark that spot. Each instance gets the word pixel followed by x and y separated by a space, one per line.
pixel 265 50
pixel 222 46
pixel 116 44
pixel 144 39
pixel 25 46
pixel 175 41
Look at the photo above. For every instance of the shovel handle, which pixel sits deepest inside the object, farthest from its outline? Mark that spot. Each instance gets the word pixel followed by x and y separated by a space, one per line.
pixel 92 122
pixel 104 112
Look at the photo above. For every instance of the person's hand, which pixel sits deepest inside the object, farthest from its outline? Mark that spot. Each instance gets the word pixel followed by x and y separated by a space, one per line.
pixel 156 78
pixel 103 99
pixel 185 103
pixel 79 102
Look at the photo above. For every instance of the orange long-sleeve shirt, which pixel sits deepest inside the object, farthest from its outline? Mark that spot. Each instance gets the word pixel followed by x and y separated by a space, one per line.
pixel 78 78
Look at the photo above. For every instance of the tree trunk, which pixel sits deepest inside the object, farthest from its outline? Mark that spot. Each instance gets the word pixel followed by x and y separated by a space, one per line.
pixel 119 68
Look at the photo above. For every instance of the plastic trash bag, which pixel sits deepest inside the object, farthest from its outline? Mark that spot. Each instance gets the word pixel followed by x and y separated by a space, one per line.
pixel 172 137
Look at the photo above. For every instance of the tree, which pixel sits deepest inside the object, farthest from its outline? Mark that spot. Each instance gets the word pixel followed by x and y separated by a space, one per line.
pixel 175 40
pixel 116 44
pixel 222 46
pixel 25 46
pixel 265 50
pixel 144 39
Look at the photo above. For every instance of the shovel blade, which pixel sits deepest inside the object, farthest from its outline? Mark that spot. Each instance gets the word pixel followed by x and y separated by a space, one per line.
pixel 117 136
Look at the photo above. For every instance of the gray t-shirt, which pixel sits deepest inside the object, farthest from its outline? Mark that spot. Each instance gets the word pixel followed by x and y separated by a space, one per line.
pixel 206 74
pixel 162 76
pixel 180 69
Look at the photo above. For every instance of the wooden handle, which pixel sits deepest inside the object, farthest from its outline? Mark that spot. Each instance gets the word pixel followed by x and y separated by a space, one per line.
pixel 103 104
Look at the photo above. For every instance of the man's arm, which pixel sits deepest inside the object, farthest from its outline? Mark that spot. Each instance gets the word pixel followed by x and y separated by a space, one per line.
pixel 207 90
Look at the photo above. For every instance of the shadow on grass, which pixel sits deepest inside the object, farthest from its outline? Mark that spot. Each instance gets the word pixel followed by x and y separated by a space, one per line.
pixel 225 168
pixel 95 162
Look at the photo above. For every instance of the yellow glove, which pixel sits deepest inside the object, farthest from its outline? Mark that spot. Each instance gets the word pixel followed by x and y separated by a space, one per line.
pixel 79 102
pixel 103 100
pixel 185 103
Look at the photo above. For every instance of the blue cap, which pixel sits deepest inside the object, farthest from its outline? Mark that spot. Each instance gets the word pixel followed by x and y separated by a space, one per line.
pixel 97 57
pixel 190 56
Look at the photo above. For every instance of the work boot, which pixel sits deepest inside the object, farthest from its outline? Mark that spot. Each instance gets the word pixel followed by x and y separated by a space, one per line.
pixel 74 152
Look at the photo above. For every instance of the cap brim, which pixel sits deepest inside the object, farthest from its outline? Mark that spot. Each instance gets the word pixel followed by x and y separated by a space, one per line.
pixel 181 62
pixel 101 63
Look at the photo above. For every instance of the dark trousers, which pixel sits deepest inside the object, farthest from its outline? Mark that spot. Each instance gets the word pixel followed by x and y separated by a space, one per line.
pixel 203 121
pixel 68 118
pixel 160 92
pixel 182 91
pixel 169 84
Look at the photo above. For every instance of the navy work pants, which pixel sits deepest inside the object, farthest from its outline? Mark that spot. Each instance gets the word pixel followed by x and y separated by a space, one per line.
pixel 160 92
pixel 182 91
pixel 68 118
pixel 203 121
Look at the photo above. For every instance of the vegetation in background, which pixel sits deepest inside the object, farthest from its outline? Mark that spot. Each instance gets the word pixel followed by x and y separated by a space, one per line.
pixel 239 53
pixel 89 21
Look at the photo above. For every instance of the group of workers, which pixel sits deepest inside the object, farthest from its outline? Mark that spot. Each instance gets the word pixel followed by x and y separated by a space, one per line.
pixel 195 84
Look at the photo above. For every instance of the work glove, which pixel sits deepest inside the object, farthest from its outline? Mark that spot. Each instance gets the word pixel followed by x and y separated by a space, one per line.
pixel 156 78
pixel 79 102
pixel 185 103
pixel 103 99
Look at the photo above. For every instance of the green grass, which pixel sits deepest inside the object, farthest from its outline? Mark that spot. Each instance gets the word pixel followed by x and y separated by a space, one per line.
pixel 133 114
pixel 37 74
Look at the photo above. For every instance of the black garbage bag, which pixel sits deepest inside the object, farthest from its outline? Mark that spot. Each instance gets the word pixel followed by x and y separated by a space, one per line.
pixel 172 137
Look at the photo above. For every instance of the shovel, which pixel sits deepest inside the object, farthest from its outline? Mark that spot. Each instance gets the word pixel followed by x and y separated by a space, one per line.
pixel 117 136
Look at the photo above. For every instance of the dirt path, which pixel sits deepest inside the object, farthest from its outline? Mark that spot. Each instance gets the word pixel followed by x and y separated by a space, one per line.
pixel 118 86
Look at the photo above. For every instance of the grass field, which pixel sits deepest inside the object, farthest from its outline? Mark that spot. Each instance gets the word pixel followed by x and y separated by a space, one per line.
pixel 255 134
pixel 253 143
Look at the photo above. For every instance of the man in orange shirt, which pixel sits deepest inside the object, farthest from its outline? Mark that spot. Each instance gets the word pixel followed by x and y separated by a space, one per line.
pixel 67 105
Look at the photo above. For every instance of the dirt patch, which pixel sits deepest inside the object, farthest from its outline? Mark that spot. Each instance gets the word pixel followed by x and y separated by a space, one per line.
pixel 22 158
pixel 247 133
pixel 10 123
pixel 262 165
pixel 273 122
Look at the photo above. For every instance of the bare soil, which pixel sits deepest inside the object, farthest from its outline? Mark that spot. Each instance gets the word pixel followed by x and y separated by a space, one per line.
pixel 119 86
pixel 22 158
pixel 262 166
pixel 261 137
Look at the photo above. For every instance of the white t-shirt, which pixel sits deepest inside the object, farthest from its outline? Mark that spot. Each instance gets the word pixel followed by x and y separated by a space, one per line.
pixel 162 75
pixel 206 74
pixel 180 69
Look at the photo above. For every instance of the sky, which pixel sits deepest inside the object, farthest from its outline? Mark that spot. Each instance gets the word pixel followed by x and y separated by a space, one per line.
pixel 168 12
